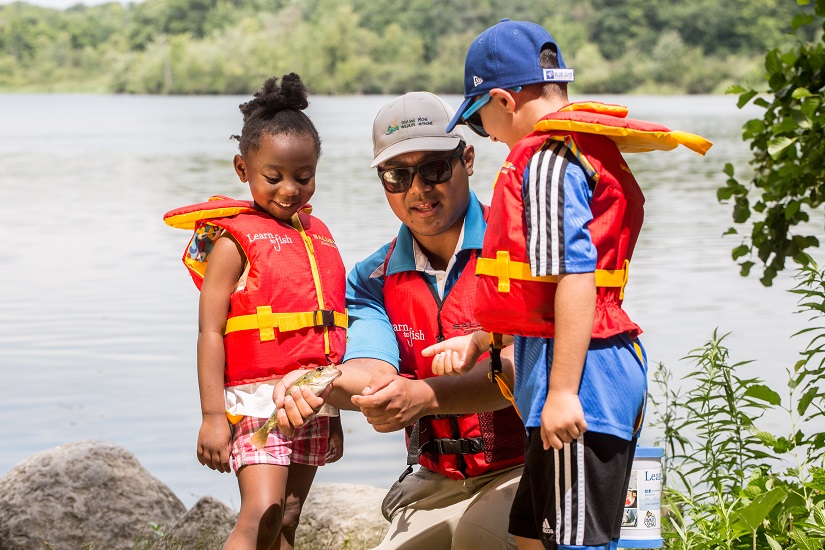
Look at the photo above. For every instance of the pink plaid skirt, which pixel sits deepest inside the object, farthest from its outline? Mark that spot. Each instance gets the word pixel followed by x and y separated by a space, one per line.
pixel 308 445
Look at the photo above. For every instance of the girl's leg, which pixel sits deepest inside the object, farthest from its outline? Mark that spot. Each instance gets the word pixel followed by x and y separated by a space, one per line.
pixel 297 489
pixel 263 487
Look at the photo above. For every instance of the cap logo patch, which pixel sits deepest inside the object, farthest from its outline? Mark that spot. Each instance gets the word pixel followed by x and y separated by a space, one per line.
pixel 477 80
pixel 558 75
pixel 413 122
pixel 391 128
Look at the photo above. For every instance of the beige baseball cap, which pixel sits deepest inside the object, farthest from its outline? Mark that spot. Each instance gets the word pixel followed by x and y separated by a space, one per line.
pixel 415 121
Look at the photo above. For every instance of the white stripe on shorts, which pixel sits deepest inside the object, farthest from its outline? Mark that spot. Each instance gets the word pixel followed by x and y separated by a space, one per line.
pixel 570 529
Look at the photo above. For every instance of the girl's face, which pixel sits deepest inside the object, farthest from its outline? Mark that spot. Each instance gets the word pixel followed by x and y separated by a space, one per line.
pixel 281 173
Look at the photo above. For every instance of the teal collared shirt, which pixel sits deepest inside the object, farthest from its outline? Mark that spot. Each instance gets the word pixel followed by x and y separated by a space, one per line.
pixel 371 333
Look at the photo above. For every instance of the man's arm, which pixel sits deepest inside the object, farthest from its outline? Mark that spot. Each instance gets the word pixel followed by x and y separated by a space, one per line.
pixel 391 403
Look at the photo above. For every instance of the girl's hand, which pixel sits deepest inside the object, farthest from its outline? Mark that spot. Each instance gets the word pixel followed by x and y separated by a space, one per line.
pixel 214 442
pixel 457 355
pixel 336 439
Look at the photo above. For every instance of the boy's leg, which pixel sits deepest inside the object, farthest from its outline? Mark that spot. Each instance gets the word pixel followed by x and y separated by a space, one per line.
pixel 572 497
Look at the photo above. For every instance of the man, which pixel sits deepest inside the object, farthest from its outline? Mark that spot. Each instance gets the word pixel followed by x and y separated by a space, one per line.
pixel 413 292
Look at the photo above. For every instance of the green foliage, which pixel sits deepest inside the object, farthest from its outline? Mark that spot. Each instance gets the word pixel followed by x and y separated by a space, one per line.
pixel 730 485
pixel 373 46
pixel 788 182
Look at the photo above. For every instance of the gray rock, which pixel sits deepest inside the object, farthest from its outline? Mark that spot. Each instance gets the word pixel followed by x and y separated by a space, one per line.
pixel 86 494
pixel 205 527
pixel 341 515
pixel 335 515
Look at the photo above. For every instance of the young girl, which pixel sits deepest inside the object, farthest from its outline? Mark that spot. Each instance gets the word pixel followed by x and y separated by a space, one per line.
pixel 272 301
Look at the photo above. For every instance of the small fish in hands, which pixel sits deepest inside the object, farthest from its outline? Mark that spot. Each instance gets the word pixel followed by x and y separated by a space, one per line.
pixel 316 380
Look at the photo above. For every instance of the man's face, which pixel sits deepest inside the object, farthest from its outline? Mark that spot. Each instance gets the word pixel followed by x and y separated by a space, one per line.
pixel 431 209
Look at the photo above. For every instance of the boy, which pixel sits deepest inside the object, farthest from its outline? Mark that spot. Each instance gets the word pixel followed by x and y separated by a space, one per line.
pixel 565 217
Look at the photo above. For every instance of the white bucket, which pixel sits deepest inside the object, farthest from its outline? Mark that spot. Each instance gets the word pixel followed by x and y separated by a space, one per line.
pixel 641 523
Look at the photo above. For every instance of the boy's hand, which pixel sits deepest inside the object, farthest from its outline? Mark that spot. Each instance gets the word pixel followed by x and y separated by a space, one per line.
pixel 213 442
pixel 562 419
pixel 457 355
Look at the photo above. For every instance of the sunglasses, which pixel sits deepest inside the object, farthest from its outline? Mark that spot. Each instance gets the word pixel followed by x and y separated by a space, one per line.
pixel 432 172
pixel 472 118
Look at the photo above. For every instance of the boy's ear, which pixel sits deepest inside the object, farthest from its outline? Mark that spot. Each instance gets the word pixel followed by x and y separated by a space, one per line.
pixel 240 168
pixel 504 98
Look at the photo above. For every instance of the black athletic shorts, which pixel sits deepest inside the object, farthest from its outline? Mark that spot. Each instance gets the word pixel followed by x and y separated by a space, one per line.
pixel 573 496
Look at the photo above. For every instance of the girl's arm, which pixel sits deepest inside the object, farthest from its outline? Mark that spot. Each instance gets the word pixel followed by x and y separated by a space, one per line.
pixel 223 271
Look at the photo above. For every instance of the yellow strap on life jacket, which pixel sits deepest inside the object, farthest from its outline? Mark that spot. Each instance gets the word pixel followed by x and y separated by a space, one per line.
pixel 316 276
pixel 266 321
pixel 505 269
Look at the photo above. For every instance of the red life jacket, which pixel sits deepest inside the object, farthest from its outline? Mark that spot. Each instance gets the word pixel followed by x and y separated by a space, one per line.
pixel 290 312
pixel 512 301
pixel 457 446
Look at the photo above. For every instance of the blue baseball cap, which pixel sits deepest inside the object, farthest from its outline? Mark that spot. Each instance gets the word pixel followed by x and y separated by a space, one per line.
pixel 507 56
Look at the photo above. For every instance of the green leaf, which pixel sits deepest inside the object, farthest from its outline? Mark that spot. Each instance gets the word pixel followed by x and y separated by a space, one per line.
pixel 791 209
pixel 772 543
pixel 806 399
pixel 728 170
pixel 752 515
pixel 763 392
pixel 799 93
pixel 734 89
pixel 802 19
pixel 745 98
pixel 761 102
pixel 746 268
pixel 779 144
pixel 724 193
pixel 739 251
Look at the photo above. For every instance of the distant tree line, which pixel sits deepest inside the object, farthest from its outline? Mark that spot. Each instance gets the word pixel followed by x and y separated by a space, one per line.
pixel 379 46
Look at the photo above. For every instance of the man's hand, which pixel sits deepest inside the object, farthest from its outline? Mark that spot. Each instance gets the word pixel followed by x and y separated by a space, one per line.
pixel 299 405
pixel 457 355
pixel 562 419
pixel 391 402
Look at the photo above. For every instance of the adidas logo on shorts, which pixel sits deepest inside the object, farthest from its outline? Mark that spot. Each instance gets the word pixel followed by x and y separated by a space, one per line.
pixel 546 529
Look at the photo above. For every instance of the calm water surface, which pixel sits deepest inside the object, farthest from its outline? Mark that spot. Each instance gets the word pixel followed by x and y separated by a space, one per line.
pixel 98 315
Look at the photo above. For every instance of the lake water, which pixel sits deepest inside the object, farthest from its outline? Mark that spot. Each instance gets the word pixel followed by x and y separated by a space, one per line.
pixel 98 315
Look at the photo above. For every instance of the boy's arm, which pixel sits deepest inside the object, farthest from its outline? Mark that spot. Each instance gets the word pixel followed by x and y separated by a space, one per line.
pixel 562 417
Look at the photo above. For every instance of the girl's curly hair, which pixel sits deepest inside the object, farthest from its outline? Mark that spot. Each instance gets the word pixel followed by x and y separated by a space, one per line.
pixel 276 110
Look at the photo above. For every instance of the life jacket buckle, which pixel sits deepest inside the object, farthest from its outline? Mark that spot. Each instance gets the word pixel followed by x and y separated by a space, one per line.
pixel 324 317
pixel 465 446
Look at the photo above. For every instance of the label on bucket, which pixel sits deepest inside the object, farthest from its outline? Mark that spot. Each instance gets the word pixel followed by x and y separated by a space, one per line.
pixel 641 522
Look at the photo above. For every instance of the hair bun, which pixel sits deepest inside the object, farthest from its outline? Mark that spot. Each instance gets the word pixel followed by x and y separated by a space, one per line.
pixel 271 98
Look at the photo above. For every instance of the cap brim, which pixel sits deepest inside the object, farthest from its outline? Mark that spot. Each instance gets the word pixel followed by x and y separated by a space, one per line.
pixel 457 118
pixel 412 145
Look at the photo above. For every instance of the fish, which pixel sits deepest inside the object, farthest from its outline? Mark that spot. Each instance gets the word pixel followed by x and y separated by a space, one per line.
pixel 316 380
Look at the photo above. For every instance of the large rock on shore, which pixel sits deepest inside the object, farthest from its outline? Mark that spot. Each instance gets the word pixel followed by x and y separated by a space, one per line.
pixel 81 495
pixel 95 495
pixel 341 515
pixel 335 515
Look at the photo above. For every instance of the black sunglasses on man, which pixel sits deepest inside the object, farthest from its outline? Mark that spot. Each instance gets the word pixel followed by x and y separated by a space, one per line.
pixel 432 172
